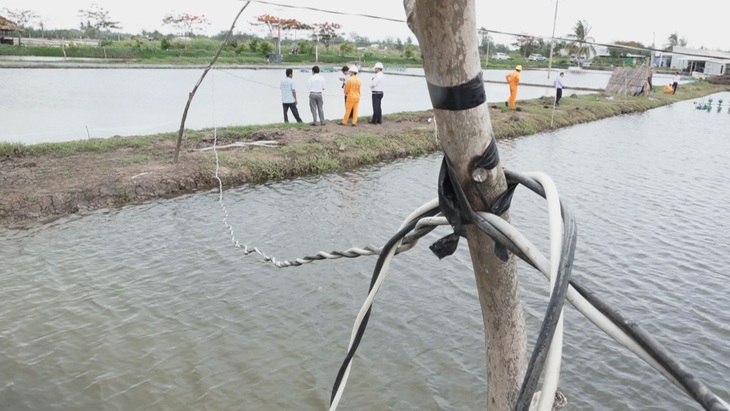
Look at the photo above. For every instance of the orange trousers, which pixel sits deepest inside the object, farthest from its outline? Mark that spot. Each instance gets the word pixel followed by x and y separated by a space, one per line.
pixel 351 111
pixel 512 97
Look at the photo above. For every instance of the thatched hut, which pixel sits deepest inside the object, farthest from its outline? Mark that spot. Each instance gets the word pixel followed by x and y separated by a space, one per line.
pixel 8 30
pixel 629 80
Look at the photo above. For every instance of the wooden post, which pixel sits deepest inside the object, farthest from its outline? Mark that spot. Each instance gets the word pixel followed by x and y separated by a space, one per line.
pixel 447 34
pixel 202 76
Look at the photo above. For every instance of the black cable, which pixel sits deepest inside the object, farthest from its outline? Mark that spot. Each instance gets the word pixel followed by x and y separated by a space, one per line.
pixel 560 289
pixel 376 273
pixel 703 395
pixel 695 388
pixel 557 299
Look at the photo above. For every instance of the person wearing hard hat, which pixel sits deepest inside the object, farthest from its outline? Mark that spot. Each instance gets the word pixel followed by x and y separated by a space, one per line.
pixel 352 92
pixel 513 79
pixel 376 88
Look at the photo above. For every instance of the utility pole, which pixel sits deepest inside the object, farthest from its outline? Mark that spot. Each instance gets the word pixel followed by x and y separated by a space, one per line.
pixel 552 40
pixel 446 31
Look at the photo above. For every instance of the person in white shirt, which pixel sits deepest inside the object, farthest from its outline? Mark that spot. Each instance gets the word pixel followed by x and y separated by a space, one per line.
pixel 316 101
pixel 559 86
pixel 376 88
pixel 289 96
pixel 675 82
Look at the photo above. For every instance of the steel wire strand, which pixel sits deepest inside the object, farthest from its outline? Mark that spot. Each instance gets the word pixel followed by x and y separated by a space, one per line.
pixel 627 336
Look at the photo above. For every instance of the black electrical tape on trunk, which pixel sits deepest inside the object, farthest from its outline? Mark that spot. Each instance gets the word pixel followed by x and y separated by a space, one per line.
pixel 490 157
pixel 462 97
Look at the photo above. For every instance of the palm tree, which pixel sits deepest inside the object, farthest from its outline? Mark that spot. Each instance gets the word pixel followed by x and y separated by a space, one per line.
pixel 674 40
pixel 581 46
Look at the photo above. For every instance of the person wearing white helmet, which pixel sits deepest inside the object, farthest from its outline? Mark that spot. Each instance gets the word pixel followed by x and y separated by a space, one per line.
pixel 352 92
pixel 376 89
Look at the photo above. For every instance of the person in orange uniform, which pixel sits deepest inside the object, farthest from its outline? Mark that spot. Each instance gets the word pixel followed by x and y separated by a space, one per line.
pixel 352 91
pixel 513 79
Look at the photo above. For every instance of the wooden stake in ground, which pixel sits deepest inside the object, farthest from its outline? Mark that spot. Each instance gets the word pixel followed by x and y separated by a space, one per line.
pixel 447 34
pixel 192 93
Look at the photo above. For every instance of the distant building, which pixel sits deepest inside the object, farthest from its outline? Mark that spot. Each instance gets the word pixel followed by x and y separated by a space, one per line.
pixel 696 62
pixel 8 30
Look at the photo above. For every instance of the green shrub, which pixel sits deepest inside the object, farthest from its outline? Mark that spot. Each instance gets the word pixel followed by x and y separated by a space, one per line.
pixel 265 47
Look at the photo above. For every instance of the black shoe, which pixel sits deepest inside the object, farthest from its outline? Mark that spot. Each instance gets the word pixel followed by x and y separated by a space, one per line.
pixel 354 125
pixel 342 124
pixel 312 124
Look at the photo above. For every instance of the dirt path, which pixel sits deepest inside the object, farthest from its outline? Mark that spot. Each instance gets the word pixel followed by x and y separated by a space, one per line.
pixel 36 189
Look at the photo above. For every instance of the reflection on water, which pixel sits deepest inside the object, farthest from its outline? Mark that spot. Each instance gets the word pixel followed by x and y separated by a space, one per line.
pixel 152 307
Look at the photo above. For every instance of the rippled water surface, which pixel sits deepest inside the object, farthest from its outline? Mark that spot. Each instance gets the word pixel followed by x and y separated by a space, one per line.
pixel 152 308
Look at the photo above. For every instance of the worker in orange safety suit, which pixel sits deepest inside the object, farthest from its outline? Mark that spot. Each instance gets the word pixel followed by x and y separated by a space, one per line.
pixel 352 91
pixel 513 79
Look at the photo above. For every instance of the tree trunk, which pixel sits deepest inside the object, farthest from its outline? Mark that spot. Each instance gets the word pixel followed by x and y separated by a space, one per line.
pixel 447 34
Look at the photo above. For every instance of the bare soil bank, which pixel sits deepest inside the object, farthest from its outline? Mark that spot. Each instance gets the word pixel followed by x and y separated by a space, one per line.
pixel 39 188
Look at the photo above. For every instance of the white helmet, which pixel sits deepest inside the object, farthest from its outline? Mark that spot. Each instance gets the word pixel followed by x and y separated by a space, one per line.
pixel 378 65
pixel 353 69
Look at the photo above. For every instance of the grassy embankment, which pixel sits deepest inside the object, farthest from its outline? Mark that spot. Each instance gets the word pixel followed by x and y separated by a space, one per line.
pixel 354 149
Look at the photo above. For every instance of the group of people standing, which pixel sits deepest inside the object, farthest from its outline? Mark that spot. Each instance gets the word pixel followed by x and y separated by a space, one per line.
pixel 513 80
pixel 351 85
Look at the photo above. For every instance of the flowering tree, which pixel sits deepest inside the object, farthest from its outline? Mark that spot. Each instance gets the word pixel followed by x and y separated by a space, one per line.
pixel 187 24
pixel 275 25
pixel 326 32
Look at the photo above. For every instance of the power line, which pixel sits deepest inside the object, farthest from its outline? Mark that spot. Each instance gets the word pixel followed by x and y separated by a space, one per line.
pixel 570 40
pixel 341 13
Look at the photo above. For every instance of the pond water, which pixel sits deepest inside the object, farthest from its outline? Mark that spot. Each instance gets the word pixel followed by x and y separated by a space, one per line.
pixel 151 307
pixel 52 105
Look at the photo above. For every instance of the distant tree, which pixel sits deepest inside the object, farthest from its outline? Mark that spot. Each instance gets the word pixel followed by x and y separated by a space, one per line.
pixel 409 52
pixel 275 25
pixel 326 33
pixel 21 17
pixel 675 40
pixel 399 44
pixel 265 47
pixel 295 26
pixel 253 45
pixel 528 44
pixel 271 23
pixel 306 47
pixel 95 20
pixel 358 40
pixel 346 48
pixel 631 47
pixel 581 47
pixel 186 24
pixel 165 44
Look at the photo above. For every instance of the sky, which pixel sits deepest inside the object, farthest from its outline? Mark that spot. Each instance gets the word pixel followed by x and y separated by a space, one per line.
pixel 703 25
